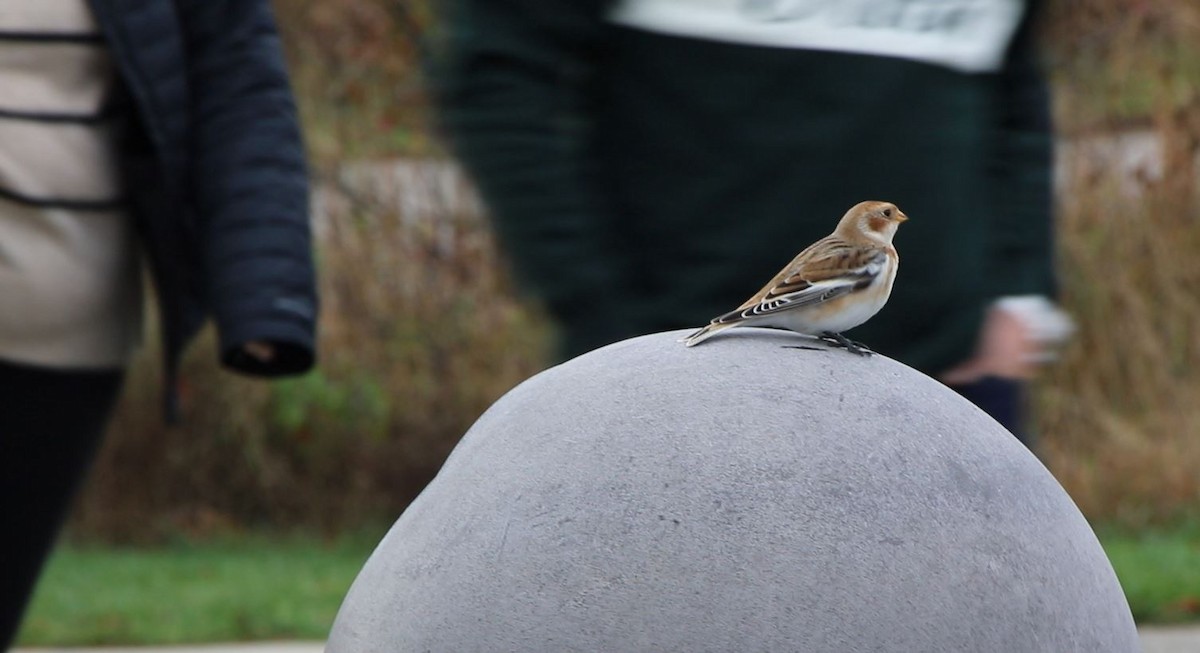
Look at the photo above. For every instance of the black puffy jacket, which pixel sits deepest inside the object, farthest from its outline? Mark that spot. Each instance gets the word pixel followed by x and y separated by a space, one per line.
pixel 215 174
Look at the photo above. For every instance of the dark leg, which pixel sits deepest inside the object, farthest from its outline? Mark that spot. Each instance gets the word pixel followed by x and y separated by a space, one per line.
pixel 839 340
pixel 50 426
pixel 1004 400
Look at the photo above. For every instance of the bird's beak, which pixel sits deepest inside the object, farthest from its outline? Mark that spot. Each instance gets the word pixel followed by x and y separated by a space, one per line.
pixel 900 217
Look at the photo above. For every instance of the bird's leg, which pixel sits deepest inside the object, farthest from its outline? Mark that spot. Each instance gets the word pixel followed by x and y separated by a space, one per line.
pixel 839 340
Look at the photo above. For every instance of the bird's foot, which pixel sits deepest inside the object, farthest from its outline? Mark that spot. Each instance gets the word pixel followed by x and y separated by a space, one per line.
pixel 839 340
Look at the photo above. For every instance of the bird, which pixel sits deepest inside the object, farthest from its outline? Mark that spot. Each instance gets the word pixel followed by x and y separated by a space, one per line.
pixel 833 285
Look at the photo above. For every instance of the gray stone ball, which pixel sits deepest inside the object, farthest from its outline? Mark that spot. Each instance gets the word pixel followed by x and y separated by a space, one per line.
pixel 737 496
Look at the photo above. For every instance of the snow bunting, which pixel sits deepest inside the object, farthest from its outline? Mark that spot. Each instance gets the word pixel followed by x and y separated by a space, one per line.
pixel 836 284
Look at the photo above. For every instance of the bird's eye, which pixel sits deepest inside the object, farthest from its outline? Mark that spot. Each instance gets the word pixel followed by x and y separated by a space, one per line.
pixel 887 213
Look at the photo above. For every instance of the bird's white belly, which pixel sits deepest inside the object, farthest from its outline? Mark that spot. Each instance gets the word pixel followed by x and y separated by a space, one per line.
pixel 840 314
pixel 852 315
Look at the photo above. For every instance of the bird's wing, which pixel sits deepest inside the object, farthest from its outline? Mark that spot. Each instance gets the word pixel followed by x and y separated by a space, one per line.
pixel 817 275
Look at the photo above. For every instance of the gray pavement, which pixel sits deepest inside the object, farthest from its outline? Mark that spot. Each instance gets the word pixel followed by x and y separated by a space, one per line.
pixel 255 647
pixel 1170 639
pixel 1155 639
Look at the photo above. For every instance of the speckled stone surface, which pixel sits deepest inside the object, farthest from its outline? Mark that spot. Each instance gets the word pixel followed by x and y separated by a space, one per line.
pixel 736 496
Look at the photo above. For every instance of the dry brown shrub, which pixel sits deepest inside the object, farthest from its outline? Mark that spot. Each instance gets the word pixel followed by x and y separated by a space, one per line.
pixel 421 330
pixel 356 66
pixel 420 334
pixel 1120 415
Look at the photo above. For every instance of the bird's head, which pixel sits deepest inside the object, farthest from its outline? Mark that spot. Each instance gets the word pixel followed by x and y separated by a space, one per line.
pixel 876 221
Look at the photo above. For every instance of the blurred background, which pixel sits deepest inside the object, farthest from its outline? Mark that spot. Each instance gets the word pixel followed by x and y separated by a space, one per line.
pixel 422 330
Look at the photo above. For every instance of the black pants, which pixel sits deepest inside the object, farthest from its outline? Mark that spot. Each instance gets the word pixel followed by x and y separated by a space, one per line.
pixel 1004 400
pixel 51 423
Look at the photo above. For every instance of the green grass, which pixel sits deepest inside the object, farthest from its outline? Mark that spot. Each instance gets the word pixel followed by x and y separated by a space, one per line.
pixel 258 588
pixel 1160 572
pixel 240 589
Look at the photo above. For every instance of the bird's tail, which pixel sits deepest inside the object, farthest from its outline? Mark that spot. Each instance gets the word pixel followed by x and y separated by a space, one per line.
pixel 703 334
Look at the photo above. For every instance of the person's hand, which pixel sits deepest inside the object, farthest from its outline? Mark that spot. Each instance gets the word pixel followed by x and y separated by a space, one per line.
pixel 1006 350
pixel 1019 333
pixel 263 352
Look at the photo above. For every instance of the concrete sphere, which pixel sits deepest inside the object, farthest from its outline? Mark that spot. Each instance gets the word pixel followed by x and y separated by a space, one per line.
pixel 737 496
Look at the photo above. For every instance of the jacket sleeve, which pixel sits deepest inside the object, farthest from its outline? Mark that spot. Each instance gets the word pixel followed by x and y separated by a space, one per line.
pixel 512 82
pixel 1022 228
pixel 249 183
